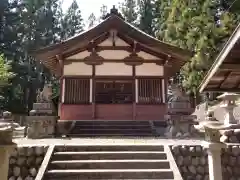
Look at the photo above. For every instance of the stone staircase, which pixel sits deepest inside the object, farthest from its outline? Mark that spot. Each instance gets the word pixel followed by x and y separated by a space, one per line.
pixel 109 162
pixel 112 128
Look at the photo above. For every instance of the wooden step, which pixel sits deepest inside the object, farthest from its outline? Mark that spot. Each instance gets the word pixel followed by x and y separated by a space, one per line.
pixel 135 126
pixel 109 155
pixel 109 174
pixel 85 148
pixel 105 135
pixel 114 122
pixel 110 164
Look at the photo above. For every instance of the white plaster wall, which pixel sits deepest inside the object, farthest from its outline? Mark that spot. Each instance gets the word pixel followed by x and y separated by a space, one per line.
pixel 77 68
pixel 149 69
pixel 114 69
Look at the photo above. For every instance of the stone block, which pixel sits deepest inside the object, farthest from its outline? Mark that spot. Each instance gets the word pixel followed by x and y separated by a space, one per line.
pixel 42 106
pixel 6 136
pixel 41 126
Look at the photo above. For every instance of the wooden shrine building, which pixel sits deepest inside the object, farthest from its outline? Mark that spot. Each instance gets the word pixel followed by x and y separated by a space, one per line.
pixel 224 75
pixel 113 71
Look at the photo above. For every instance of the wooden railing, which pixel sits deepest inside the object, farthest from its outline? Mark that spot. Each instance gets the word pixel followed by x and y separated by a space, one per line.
pixel 77 91
pixel 150 91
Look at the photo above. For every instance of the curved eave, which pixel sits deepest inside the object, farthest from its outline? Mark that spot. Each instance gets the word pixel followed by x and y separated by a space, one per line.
pixel 220 58
pixel 81 40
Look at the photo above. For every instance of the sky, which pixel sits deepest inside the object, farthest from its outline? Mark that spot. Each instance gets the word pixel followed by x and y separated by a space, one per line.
pixel 91 6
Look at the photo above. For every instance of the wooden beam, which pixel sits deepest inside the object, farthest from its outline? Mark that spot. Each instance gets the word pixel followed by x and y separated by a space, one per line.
pixel 114 48
pixel 230 67
pixel 157 61
pixel 100 38
pixel 235 90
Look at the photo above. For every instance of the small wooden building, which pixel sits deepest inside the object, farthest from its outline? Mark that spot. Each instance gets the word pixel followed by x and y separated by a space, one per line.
pixel 224 75
pixel 113 71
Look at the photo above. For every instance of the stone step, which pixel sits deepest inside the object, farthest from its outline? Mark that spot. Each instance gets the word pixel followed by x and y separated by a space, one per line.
pixel 85 148
pixel 109 155
pixel 76 174
pixel 110 164
pixel 111 131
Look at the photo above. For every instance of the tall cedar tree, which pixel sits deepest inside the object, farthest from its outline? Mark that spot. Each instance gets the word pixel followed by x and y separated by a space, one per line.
pixel 72 22
pixel 103 12
pixel 146 12
pixel 194 25
pixel 28 25
pixel 92 20
pixel 129 11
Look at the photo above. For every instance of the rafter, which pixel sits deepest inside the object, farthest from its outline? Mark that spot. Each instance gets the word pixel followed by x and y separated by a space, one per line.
pixel 230 67
pixel 141 47
pixel 93 43
pixel 228 74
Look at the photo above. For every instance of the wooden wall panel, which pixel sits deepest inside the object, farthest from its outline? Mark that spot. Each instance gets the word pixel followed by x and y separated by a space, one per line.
pixel 151 112
pixel 114 111
pixel 76 112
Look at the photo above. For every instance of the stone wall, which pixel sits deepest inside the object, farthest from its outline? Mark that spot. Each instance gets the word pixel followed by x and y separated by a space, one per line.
pixel 192 162
pixel 231 162
pixel 24 162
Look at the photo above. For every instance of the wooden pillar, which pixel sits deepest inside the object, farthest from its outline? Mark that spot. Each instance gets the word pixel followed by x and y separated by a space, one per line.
pixel 134 92
pixel 62 83
pixel 63 90
pixel 163 91
pixel 92 92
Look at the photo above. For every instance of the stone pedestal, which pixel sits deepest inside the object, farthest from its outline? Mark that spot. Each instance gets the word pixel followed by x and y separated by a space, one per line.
pixel 6 146
pixel 229 103
pixel 180 126
pixel 41 122
pixel 4 159
pixel 213 146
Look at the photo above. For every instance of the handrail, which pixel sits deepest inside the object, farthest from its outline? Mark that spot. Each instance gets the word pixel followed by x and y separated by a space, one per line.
pixel 173 165
pixel 45 163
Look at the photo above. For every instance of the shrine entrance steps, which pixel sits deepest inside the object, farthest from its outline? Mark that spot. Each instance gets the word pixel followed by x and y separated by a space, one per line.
pixel 73 162
pixel 112 128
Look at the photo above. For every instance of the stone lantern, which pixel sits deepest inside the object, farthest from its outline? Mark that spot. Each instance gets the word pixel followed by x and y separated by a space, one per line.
pixel 229 103
pixel 179 118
